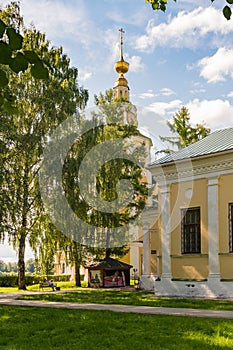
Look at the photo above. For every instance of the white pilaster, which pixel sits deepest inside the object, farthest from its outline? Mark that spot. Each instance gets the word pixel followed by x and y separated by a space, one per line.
pixel 165 226
pixel 134 256
pixel 213 234
pixel 146 252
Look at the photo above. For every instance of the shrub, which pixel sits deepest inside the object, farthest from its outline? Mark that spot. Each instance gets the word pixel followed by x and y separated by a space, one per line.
pixel 11 281
pixel 8 281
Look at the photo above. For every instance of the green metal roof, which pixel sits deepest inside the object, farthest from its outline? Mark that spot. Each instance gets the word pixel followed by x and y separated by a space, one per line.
pixel 217 141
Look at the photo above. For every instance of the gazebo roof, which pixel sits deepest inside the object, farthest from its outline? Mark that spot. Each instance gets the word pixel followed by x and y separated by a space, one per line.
pixel 110 264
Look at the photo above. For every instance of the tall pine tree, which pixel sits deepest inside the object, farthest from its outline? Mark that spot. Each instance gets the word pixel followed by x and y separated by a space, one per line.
pixel 184 133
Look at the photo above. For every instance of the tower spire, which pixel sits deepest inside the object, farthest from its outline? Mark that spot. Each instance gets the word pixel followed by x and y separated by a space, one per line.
pixel 121 89
pixel 121 30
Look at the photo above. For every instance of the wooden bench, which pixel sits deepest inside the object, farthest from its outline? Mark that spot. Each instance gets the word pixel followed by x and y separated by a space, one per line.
pixel 46 285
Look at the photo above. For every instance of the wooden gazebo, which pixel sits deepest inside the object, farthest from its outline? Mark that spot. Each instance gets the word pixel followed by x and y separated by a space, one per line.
pixel 109 273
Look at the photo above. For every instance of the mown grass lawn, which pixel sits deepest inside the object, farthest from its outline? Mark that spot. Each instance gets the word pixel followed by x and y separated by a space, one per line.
pixel 129 298
pixel 35 287
pixel 24 328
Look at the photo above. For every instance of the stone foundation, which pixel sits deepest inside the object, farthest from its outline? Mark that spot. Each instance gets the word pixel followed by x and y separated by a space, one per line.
pixel 212 288
pixel 147 282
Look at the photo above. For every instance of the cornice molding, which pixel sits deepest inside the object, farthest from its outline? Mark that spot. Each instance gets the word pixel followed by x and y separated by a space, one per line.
pixel 194 169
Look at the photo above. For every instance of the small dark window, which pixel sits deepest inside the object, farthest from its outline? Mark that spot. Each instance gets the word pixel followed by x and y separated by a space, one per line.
pixel 63 268
pixel 154 180
pixel 155 200
pixel 190 231
pixel 230 216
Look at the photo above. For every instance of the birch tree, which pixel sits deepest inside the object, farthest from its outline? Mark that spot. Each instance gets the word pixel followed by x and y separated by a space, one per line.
pixel 41 106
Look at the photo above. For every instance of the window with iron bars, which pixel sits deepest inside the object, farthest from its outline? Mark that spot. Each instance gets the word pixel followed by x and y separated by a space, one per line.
pixel 190 231
pixel 230 222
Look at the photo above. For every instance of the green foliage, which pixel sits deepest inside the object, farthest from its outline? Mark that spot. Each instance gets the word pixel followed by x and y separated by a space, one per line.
pixel 45 245
pixel 109 173
pixel 104 99
pixel 227 12
pixel 8 281
pixel 8 267
pixel 107 178
pixel 162 5
pixel 30 266
pixel 185 134
pixel 11 281
pixel 35 279
pixel 158 4
pixel 41 105
pixel 3 82
pixel 14 56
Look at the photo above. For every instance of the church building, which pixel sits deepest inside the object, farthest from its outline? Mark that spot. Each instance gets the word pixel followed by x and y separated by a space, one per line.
pixel 186 245
pixel 193 233
pixel 139 255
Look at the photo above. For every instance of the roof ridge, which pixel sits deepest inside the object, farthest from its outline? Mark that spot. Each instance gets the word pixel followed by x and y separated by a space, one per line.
pixel 212 143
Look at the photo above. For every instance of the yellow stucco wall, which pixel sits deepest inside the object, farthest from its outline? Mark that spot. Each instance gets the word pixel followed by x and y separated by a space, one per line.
pixel 225 197
pixel 155 239
pixel 187 195
pixel 194 193
pixel 190 267
pixel 194 266
pixel 126 258
pixel 226 266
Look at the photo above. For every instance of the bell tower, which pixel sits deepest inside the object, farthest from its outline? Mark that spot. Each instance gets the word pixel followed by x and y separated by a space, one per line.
pixel 121 88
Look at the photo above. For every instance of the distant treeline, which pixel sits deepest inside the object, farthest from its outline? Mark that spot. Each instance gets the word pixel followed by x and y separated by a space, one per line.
pixel 8 267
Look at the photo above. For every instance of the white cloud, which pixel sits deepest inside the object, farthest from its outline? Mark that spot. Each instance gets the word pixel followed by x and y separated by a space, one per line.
pixel 150 93
pixel 59 19
pixel 133 18
pixel 135 64
pixel 163 108
pixel 230 94
pixel 215 68
pixel 84 75
pixel 145 95
pixel 197 91
pixel 153 125
pixel 167 92
pixel 184 30
pixel 215 113
pixel 111 41
pixel 190 67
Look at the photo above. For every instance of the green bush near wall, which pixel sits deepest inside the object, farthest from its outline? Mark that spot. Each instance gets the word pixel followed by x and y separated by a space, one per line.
pixel 8 281
pixel 11 281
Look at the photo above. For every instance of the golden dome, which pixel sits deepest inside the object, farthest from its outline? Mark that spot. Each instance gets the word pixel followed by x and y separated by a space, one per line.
pixel 121 66
pixel 121 81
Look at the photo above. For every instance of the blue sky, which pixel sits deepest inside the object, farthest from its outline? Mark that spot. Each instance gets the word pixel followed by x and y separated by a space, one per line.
pixel 181 57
